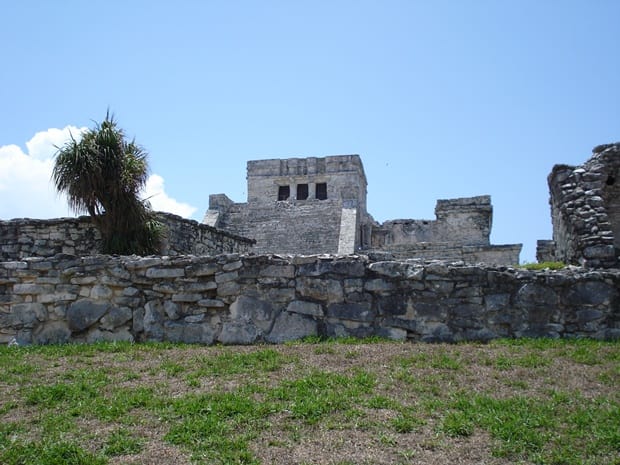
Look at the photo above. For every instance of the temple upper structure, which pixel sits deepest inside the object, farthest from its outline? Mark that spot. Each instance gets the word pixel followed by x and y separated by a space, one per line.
pixel 318 205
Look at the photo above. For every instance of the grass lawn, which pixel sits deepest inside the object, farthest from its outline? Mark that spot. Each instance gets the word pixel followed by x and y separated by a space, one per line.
pixel 314 402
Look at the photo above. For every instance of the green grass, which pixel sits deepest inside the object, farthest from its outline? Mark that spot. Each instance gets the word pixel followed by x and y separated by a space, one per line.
pixel 319 394
pixel 91 404
pixel 122 442
pixel 543 266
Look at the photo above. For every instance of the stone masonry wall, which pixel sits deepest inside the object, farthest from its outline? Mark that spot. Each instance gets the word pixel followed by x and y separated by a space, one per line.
pixel 464 221
pixel 585 211
pixel 298 224
pixel 237 299
pixel 27 237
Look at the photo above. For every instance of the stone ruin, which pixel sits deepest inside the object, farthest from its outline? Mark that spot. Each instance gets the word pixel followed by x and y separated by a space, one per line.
pixel 318 206
pixel 299 274
pixel 585 211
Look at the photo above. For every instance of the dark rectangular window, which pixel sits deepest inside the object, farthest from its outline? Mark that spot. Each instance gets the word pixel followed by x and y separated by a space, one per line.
pixel 302 191
pixel 284 192
pixel 321 190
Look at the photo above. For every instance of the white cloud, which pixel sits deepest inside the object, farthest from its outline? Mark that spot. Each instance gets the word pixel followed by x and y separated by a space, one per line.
pixel 26 190
pixel 154 192
pixel 25 186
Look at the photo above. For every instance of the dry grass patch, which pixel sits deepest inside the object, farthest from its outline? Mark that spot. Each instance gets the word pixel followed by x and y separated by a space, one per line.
pixel 330 402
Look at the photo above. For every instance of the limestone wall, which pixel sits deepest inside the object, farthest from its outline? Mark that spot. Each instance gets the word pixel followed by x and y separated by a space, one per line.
pixel 27 237
pixel 585 210
pixel 236 299
pixel 507 255
pixel 464 221
pixel 460 231
pixel 301 221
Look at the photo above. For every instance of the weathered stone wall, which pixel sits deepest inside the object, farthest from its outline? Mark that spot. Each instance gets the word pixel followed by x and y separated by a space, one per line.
pixel 236 299
pixel 585 210
pixel 25 237
pixel 298 224
pixel 497 255
pixel 460 232
pixel 465 221
pixel 340 223
pixel 287 227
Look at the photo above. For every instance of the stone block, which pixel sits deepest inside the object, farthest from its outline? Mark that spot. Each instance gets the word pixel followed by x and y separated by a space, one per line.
pixel 189 333
pixel 130 291
pixel 28 314
pixel 202 269
pixel 607 334
pixel 467 311
pixel 230 288
pixel 232 265
pixel 250 309
pixel 429 309
pixel 442 288
pixel 165 287
pixel 496 302
pixel 345 267
pixel 479 335
pixel 138 320
pixel 202 286
pixel 392 304
pixel 354 312
pixel 226 277
pixel 238 332
pixel 278 271
pixel 32 289
pixel 115 317
pixel 120 335
pixel 395 334
pixel 57 297
pixel 290 327
pixel 99 292
pixel 599 251
pixel 153 321
pixel 185 297
pixel 436 333
pixel 533 295
pixel 158 273
pixel 397 322
pixel 305 308
pixel 211 303
pixel 591 293
pixel 391 269
pixel 84 313
pixel 326 290
pixel 587 315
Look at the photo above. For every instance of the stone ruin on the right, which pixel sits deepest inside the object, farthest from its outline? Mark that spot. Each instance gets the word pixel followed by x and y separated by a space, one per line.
pixel 585 211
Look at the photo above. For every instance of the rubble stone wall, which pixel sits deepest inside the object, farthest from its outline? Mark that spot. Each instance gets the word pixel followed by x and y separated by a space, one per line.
pixel 585 210
pixel 245 299
pixel 25 237
pixel 464 221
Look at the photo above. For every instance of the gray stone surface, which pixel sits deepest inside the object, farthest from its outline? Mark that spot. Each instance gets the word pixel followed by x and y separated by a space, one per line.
pixel 84 313
pixel 27 237
pixel 305 308
pixel 302 222
pixel 52 332
pixel 322 295
pixel 291 326
pixel 238 332
pixel 585 211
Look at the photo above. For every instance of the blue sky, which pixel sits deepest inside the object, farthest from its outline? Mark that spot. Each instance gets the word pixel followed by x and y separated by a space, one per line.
pixel 441 99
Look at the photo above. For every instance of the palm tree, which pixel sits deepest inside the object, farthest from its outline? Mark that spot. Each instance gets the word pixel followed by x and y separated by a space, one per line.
pixel 102 175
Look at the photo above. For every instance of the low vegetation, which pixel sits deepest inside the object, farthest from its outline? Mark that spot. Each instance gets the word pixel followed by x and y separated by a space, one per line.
pixel 544 266
pixel 315 402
